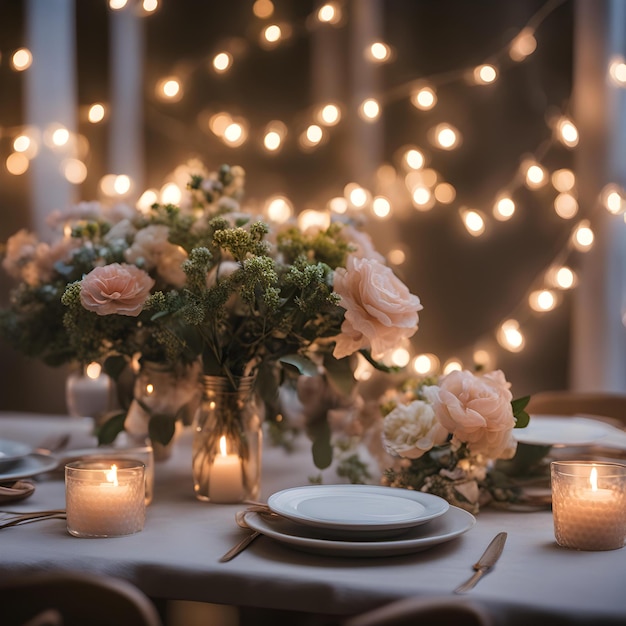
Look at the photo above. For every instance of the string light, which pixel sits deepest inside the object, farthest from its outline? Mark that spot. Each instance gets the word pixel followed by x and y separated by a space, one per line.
pixel 523 45
pixel 96 113
pixel 510 337
pixel 452 365
pixel 329 114
pixel 381 207
pixel 219 122
pixel 22 59
pixel 582 238
pixel 485 74
pixel 357 196
pixel 74 170
pixel 413 159
pixel 542 300
pixel 122 184
pixel 369 110
pixel 171 193
pixel 146 200
pixel 425 364
pixel 59 136
pixel 271 35
pixel 235 134
pixel 400 357
pixel 263 9
pixel 445 136
pixel 279 209
pixel 275 133
pixel 22 143
pixel 117 5
pixel 313 219
pixel 473 221
pixel 535 174
pixel 566 206
pixel 17 164
pixel 378 52
pixel 422 198
pixel 397 256
pixel 612 198
pixel 312 136
pixel 424 98
pixel 222 62
pixel 617 71
pixel 504 209
pixel 329 13
pixel 483 359
pixel 561 277
pixel 445 193
pixel 563 180
pixel 169 89
pixel 150 6
pixel 567 133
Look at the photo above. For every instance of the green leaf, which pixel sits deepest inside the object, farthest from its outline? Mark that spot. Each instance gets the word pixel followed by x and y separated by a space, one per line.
pixel 322 450
pixel 110 429
pixel 161 428
pixel 522 419
pixel 340 374
pixel 519 404
pixel 304 365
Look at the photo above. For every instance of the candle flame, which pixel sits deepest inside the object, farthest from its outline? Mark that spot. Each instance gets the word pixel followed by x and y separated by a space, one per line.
pixel 593 479
pixel 223 445
pixel 112 475
pixel 94 370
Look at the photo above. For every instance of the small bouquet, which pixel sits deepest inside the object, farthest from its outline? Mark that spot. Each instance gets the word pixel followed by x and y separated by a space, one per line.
pixel 446 434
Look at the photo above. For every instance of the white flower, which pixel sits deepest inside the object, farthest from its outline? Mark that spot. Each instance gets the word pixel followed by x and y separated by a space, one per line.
pixel 411 430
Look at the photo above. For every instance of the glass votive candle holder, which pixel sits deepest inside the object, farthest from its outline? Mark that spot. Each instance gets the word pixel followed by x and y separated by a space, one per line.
pixel 105 498
pixel 589 504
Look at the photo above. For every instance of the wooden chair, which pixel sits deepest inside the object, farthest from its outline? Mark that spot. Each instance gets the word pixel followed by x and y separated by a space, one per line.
pixel 611 405
pixel 74 599
pixel 435 611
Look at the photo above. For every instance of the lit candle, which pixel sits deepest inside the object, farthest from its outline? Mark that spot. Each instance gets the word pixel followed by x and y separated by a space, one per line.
pixel 88 394
pixel 104 500
pixel 589 505
pixel 226 482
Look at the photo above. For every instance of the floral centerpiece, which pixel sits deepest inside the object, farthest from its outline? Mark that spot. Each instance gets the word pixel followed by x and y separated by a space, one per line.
pixel 446 434
pixel 206 281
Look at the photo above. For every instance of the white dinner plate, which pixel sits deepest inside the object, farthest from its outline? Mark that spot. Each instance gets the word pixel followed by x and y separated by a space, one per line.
pixel 449 526
pixel 365 509
pixel 12 451
pixel 553 430
pixel 30 465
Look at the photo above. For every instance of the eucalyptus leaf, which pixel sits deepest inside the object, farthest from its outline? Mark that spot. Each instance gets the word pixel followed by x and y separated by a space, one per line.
pixel 110 429
pixel 340 374
pixel 322 449
pixel 161 428
pixel 305 366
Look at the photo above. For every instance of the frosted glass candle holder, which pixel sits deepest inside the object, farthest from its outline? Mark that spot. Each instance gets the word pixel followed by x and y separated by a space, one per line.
pixel 105 498
pixel 589 504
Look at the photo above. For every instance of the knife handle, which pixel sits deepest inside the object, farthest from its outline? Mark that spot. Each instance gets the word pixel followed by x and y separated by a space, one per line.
pixel 240 547
pixel 476 576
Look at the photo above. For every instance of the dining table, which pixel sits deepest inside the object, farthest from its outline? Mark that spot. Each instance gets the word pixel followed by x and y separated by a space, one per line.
pixel 177 554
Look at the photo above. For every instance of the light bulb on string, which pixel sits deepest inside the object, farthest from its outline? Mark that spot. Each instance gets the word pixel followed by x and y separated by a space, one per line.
pixel 312 137
pixel 453 364
pixel 445 193
pixel 473 221
pixel 310 218
pixel 396 256
pixel 222 62
pixel 561 277
pixel 523 45
pixel 424 98
pixel 122 184
pixel 150 6
pixel 400 357
pixel 510 336
pixel 146 200
pixel 535 175
pixel 566 206
pixel 117 5
pixel 74 171
pixel 274 135
pixel 563 180
pixel 612 197
pixel 273 34
pixel 338 205
pixel 567 133
pixel 369 110
pixel 483 358
pixel 22 143
pixel 21 59
pixel 381 207
pixel 504 208
pixel 263 9
pixel 279 209
pixel 425 364
pixel 96 113
pixel 329 114
pixel 236 133
pixel 542 300
pixel 378 52
pixel 17 163
pixel 219 122
pixel 169 89
pixel 329 13
pixel 422 198
pixel 444 136
pixel 617 71
pixel 171 193
pixel 484 74
pixel 413 159
pixel 357 197
pixel 583 237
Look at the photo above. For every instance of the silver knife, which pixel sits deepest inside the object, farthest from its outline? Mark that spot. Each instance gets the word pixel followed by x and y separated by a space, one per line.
pixel 485 563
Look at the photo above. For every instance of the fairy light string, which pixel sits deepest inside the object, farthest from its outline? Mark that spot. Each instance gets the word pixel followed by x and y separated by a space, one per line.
pixel 424 186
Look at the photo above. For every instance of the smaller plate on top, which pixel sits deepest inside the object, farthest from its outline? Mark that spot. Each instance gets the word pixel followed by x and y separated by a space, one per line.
pixel 28 466
pixel 553 430
pixel 12 451
pixel 362 509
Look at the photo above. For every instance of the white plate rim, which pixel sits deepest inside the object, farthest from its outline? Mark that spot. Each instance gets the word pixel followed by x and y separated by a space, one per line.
pixel 30 465
pixel 598 430
pixel 23 449
pixel 457 522
pixel 435 506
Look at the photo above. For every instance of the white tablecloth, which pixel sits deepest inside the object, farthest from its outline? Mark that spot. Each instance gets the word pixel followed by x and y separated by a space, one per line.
pixel 176 555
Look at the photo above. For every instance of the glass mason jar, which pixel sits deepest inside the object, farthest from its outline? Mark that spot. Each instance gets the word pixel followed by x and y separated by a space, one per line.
pixel 168 392
pixel 227 442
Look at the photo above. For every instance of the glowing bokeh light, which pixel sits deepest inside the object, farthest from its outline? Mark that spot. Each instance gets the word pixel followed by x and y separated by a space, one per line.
pixel 566 206
pixel 424 98
pixel 17 163
pixel 22 59
pixel 504 209
pixel 279 209
pixel 96 113
pixel 369 110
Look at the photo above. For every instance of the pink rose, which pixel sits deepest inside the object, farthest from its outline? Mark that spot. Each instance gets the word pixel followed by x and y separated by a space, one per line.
pixel 380 310
pixel 115 288
pixel 477 411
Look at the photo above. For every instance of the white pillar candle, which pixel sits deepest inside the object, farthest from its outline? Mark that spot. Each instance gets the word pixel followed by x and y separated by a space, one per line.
pixel 226 481
pixel 89 392
pixel 105 499
pixel 589 505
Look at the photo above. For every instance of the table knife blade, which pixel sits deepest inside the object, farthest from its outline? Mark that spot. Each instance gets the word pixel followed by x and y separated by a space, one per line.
pixel 485 562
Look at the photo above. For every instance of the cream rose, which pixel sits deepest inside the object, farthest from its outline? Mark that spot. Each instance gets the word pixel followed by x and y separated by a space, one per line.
pixel 115 289
pixel 411 430
pixel 380 310
pixel 477 410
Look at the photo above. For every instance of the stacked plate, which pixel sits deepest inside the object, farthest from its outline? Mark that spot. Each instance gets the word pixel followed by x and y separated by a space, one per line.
pixel 360 520
pixel 17 460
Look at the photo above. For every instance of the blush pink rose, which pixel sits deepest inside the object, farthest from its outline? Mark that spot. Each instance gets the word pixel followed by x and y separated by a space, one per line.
pixel 380 309
pixel 115 289
pixel 477 410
